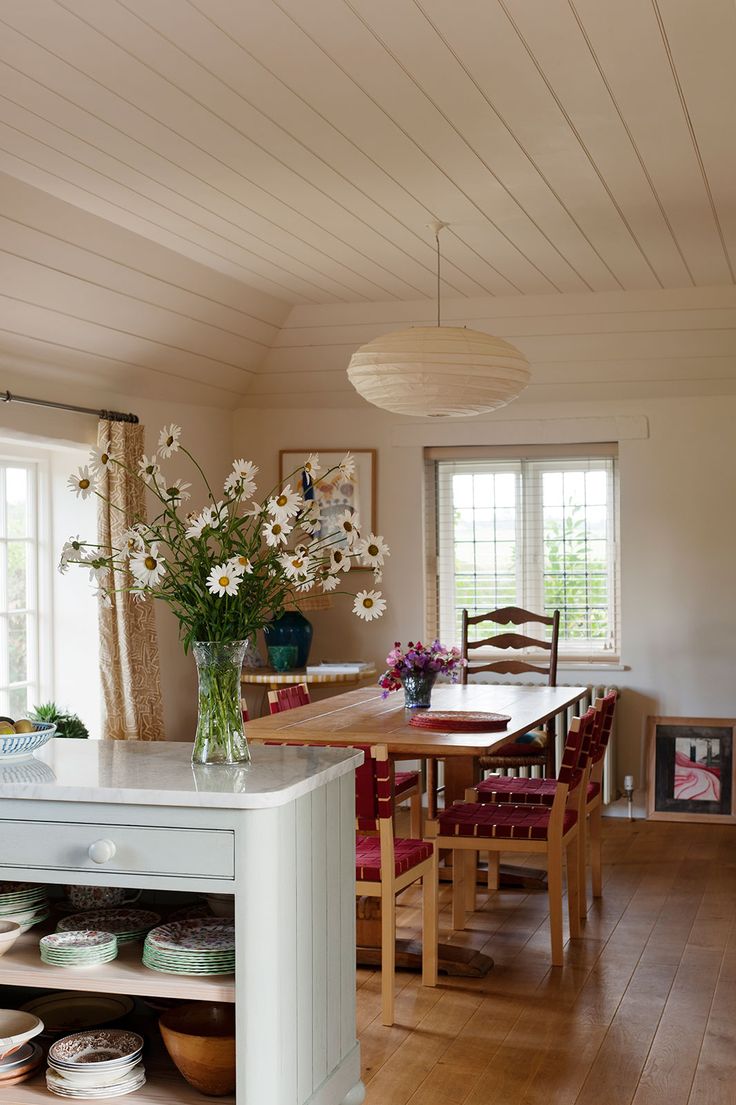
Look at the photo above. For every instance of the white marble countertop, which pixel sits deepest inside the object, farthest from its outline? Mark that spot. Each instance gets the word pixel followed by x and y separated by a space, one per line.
pixel 161 774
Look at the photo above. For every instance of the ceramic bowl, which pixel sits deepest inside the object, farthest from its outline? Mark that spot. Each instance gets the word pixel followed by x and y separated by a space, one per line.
pixel 16 746
pixel 222 905
pixel 200 1038
pixel 9 933
pixel 16 1029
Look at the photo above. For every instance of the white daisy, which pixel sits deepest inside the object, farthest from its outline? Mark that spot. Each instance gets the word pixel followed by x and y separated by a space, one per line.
pixel 377 575
pixel 100 458
pixel 339 561
pixel 198 523
pixel 241 565
pixel 104 597
pixel 347 466
pixel 178 492
pixel 138 596
pixel 305 585
pixel 373 551
pixel 295 565
pixel 236 486
pixel 222 580
pixel 276 532
pixel 284 505
pixel 329 582
pixel 348 524
pixel 72 551
pixel 168 441
pixel 218 514
pixel 245 470
pixel 148 566
pixel 81 482
pixel 148 468
pixel 310 518
pixel 99 568
pixel 132 542
pixel 369 605
pixel 312 467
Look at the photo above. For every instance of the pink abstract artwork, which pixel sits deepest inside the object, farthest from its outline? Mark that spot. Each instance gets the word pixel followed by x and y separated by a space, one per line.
pixel 697 770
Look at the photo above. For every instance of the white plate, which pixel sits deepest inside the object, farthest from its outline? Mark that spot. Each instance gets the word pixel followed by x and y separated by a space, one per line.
pixel 94 1079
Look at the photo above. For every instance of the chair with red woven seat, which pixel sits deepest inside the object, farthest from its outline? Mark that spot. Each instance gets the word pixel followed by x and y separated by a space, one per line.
pixel 468 827
pixel 535 749
pixel 541 792
pixel 385 866
pixel 407 784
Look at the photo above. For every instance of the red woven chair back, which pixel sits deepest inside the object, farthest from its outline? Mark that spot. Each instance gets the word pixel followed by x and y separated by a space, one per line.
pixel 288 698
pixel 577 751
pixel 605 709
pixel 373 788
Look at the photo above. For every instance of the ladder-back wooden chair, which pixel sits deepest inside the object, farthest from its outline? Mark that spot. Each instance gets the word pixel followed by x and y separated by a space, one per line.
pixel 535 749
pixel 407 784
pixel 469 827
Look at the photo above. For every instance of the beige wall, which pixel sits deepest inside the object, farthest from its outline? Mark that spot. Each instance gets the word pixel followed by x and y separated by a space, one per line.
pixel 207 433
pixel 678 486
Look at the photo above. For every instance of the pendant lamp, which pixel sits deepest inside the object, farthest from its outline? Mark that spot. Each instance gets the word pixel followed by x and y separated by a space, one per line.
pixel 438 371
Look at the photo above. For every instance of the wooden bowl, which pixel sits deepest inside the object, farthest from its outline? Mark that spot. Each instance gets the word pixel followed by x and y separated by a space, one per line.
pixel 200 1038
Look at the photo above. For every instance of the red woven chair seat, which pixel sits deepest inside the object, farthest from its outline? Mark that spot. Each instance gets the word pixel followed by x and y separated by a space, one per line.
pixel 526 822
pixel 520 792
pixel 407 854
pixel 404 780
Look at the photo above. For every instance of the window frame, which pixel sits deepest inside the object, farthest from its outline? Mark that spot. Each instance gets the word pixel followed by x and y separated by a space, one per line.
pixel 39 584
pixel 530 569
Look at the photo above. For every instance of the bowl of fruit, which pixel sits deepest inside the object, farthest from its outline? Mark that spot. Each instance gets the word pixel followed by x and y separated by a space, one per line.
pixel 19 739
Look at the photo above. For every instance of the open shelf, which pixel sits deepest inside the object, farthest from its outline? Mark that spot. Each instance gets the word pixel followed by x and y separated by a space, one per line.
pixel 22 966
pixel 164 1086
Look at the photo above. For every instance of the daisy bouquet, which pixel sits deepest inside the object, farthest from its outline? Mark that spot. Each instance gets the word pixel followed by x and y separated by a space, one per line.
pixel 430 661
pixel 227 568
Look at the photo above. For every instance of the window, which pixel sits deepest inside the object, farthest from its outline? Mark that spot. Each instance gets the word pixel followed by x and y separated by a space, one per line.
pixel 19 582
pixel 534 531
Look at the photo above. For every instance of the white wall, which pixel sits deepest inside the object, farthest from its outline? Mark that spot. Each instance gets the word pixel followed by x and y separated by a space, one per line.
pixel 678 487
pixel 207 432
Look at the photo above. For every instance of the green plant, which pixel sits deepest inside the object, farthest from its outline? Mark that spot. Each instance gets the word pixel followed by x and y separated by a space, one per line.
pixel 67 725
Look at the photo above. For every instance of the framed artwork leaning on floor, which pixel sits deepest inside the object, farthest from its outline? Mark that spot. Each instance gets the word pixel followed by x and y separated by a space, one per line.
pixel 690 769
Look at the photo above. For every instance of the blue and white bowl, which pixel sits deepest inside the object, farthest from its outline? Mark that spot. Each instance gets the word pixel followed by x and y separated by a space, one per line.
pixel 18 746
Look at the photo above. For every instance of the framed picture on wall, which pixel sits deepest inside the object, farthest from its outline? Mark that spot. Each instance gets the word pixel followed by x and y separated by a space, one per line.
pixel 690 769
pixel 335 492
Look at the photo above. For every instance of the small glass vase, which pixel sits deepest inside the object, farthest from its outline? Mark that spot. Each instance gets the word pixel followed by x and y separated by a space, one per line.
pixel 220 737
pixel 418 688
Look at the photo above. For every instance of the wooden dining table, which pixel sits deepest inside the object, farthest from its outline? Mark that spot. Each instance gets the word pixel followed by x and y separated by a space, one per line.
pixel 364 716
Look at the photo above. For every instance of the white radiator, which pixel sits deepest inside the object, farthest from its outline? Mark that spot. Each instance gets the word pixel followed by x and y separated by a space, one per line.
pixel 563 724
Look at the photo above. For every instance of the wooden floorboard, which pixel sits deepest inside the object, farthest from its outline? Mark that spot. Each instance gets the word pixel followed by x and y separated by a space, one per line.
pixel 642 1013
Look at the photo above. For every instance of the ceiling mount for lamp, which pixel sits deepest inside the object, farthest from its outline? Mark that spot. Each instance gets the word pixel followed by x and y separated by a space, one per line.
pixel 438 371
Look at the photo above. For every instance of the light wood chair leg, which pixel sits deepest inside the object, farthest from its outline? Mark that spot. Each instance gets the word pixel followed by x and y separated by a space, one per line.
pixel 595 834
pixel 494 859
pixel 415 816
pixel 471 880
pixel 388 955
pixel 573 886
pixel 582 869
pixel 458 890
pixel 430 924
pixel 554 890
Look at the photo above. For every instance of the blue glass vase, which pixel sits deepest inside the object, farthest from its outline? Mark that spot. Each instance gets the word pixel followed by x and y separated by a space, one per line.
pixel 418 689
pixel 292 628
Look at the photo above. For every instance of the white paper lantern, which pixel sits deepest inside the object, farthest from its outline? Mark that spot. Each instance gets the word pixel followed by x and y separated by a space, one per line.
pixel 438 371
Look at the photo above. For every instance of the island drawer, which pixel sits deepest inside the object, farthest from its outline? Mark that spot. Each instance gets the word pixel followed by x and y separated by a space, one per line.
pixel 122 849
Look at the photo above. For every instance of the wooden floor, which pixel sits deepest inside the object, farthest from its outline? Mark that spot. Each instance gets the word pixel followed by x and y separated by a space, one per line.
pixel 643 1012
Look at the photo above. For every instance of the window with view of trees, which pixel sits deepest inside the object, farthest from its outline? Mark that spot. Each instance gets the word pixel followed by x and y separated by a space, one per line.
pixel 18 588
pixel 534 532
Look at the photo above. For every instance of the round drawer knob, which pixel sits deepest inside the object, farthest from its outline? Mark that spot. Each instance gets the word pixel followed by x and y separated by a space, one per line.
pixel 102 851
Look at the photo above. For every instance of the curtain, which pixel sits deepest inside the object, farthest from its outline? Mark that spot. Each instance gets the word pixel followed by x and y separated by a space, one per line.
pixel 129 656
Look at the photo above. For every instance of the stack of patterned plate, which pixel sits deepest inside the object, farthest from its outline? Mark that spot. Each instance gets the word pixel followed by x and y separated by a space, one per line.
pixel 126 924
pixel 101 1063
pixel 82 948
pixel 20 1065
pixel 23 902
pixel 195 947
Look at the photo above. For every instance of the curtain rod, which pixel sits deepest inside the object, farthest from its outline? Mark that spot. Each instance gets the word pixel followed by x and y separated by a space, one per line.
pixel 110 416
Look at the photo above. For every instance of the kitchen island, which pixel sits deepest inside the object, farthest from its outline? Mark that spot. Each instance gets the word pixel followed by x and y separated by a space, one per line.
pixel 277 833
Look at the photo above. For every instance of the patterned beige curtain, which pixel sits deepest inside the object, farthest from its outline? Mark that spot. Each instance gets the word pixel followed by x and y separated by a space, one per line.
pixel 129 658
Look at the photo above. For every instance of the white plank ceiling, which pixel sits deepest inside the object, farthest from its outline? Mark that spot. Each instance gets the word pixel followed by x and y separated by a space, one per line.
pixel 179 174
